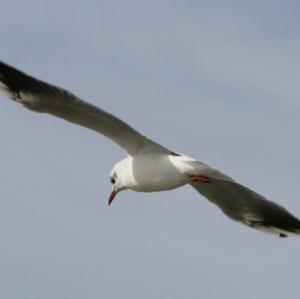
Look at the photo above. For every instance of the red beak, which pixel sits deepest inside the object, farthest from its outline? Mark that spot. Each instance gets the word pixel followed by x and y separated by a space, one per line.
pixel 112 196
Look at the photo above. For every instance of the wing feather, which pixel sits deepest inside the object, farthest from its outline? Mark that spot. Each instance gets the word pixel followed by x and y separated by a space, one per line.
pixel 244 205
pixel 43 97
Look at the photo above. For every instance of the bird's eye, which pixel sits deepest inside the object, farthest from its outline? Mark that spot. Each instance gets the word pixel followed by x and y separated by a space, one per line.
pixel 112 180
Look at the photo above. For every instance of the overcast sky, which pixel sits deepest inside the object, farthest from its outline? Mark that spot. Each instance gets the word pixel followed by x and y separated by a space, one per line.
pixel 218 81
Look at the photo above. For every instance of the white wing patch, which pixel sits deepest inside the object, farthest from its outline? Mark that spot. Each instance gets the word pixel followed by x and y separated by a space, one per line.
pixel 6 89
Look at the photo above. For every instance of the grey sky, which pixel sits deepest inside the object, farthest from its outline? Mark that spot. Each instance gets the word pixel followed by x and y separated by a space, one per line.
pixel 218 82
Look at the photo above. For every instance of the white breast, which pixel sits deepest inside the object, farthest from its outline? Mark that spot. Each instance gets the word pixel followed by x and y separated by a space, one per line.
pixel 152 172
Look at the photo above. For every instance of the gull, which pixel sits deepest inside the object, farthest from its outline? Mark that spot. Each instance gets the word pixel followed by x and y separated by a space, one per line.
pixel 149 166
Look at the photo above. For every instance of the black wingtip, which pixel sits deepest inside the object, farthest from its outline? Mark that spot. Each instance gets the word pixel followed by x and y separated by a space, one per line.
pixel 13 79
pixel 15 82
pixel 281 235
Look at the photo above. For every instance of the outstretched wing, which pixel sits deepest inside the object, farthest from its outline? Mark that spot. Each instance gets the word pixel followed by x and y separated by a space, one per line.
pixel 43 97
pixel 246 206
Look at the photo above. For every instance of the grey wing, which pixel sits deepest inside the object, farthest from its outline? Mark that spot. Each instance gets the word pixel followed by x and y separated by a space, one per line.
pixel 43 97
pixel 246 206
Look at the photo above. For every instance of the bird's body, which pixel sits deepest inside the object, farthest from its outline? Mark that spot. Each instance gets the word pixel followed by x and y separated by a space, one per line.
pixel 149 166
pixel 153 172
pixel 150 173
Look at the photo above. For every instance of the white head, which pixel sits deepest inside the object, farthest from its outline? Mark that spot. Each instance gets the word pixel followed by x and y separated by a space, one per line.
pixel 116 181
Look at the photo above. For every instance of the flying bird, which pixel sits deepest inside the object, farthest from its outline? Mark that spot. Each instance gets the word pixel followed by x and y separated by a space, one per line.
pixel 149 166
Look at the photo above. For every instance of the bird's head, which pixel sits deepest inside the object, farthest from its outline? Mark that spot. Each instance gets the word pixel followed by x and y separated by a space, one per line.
pixel 116 181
